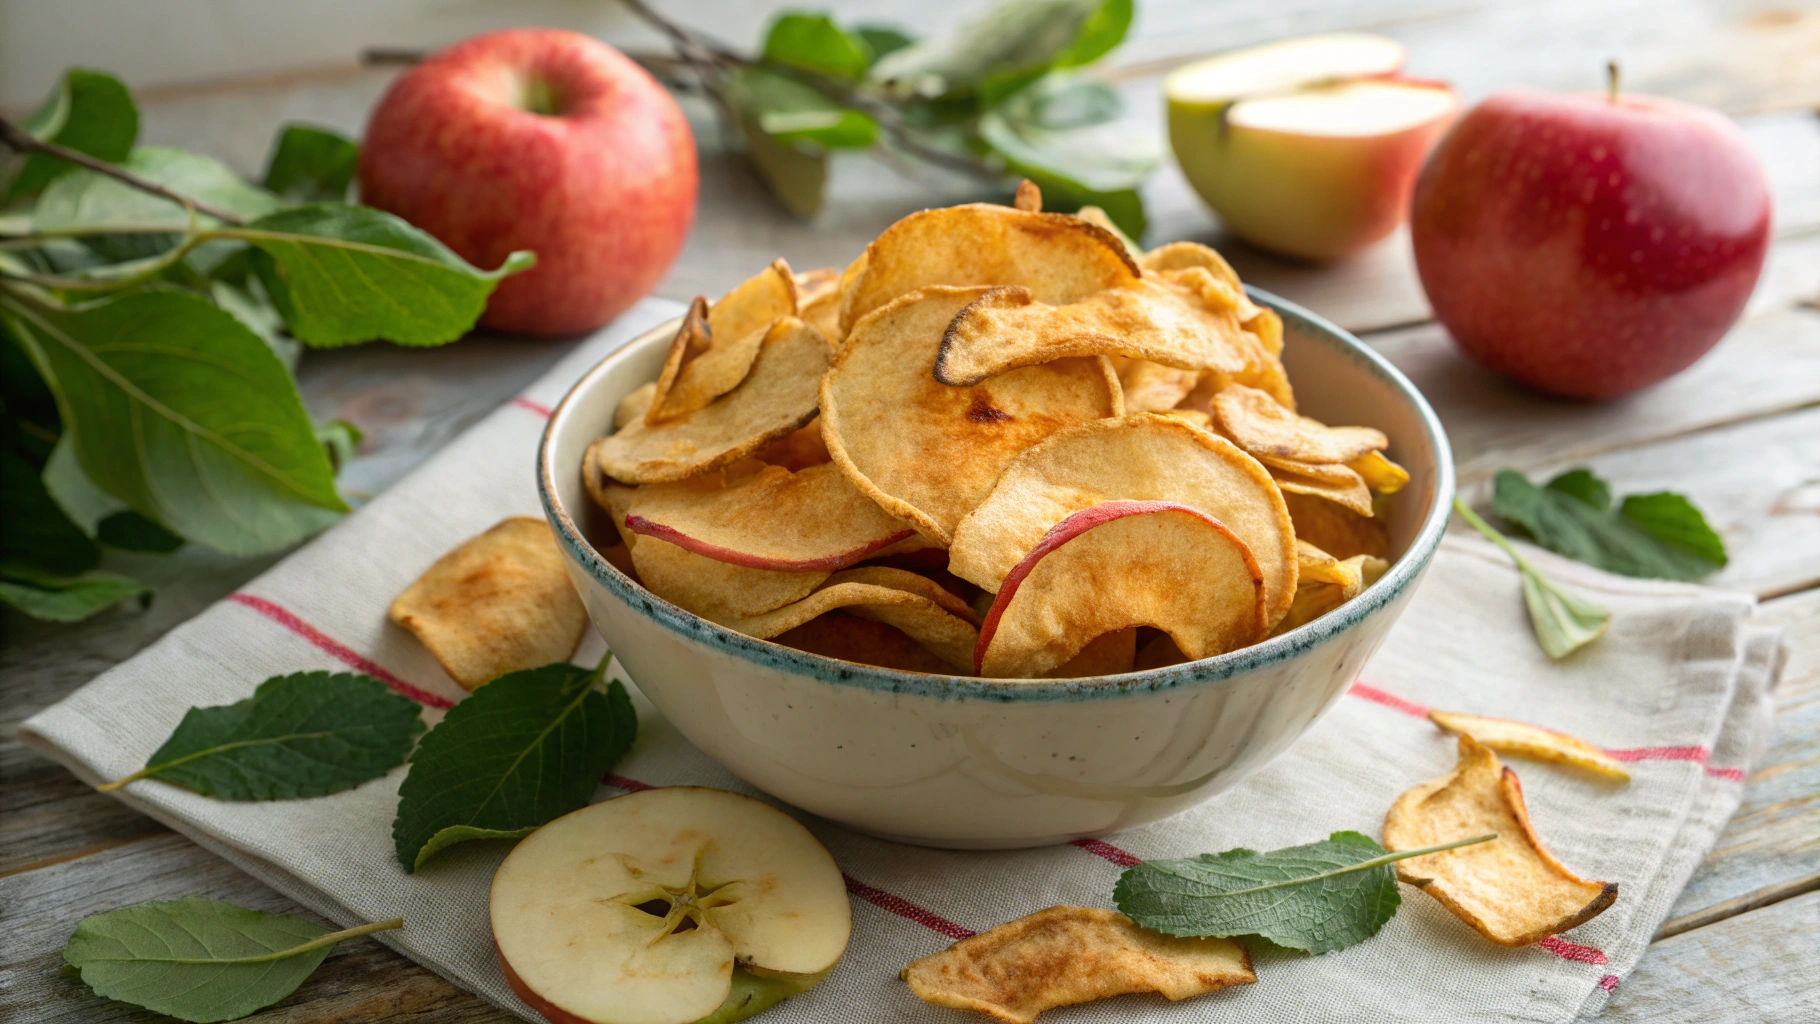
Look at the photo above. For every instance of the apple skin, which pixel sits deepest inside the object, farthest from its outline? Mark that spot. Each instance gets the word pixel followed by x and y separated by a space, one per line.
pixel 603 192
pixel 640 525
pixel 1586 247
pixel 1313 197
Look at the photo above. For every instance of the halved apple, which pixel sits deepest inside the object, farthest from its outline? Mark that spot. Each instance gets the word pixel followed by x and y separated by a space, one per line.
pixel 1116 565
pixel 668 906
pixel 1307 147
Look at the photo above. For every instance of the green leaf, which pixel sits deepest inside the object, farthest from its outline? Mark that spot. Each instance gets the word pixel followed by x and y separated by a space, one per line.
pixel 344 274
pixel 522 750
pixel 339 438
pixel 1101 166
pixel 201 960
pixel 301 735
pixel 130 531
pixel 797 178
pixel 814 43
pixel 247 302
pixel 883 39
pixel 65 598
pixel 1660 536
pixel 87 200
pixel 1316 898
pixel 310 164
pixel 183 414
pixel 1061 101
pixel 38 534
pixel 1017 39
pixel 799 116
pixel 85 504
pixel 90 112
pixel 1563 621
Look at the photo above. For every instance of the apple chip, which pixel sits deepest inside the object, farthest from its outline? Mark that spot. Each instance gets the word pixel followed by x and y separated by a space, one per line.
pixel 771 519
pixel 1324 583
pixel 1379 473
pixel 914 604
pixel 1108 654
pixel 1006 328
pixel 1120 564
pixel 634 405
pixel 798 449
pixel 1153 387
pixel 716 345
pixel 1141 457
pixel 865 641
pixel 1511 890
pixel 1257 423
pixel 1338 531
pixel 1068 955
pixel 1180 256
pixel 1333 481
pixel 1531 741
pixel 818 299
pixel 1029 197
pixel 775 399
pixel 498 603
pixel 1059 258
pixel 927 452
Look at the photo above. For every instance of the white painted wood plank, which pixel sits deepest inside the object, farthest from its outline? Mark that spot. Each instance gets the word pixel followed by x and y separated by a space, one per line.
pixel 1757 968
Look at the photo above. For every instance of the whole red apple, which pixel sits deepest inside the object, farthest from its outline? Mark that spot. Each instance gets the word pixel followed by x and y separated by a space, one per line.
pixel 544 140
pixel 1589 245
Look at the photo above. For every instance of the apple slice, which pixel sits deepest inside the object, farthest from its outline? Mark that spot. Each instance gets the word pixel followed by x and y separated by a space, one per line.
pixel 1307 147
pixel 772 519
pixel 669 906
pixel 1116 565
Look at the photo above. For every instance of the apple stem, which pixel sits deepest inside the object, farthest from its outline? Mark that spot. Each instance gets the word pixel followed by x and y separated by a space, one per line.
pixel 1611 81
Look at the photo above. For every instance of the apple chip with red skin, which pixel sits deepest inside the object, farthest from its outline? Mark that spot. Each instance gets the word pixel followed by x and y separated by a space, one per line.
pixel 1006 328
pixel 777 397
pixel 715 346
pixel 915 605
pixel 1068 955
pixel 1511 889
pixel 771 519
pixel 1116 565
pixel 1141 457
pixel 927 452
pixel 1058 257
pixel 1259 424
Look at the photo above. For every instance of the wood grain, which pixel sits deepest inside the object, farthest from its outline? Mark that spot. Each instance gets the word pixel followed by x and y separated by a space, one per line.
pixel 1757 968
pixel 360 981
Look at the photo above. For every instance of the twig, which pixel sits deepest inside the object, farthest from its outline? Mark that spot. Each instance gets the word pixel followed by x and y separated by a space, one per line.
pixel 22 142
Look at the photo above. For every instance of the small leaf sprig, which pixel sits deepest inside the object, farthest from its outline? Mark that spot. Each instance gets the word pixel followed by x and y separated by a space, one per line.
pixel 1563 621
pixel 1655 536
pixel 996 100
pixel 1316 898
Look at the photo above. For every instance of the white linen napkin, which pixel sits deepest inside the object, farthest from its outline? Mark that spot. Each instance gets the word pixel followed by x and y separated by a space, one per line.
pixel 1680 685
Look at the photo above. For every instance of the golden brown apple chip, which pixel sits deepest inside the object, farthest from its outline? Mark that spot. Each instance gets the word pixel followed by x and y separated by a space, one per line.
pixel 1116 565
pixel 1334 481
pixel 769 519
pixel 1029 198
pixel 1325 583
pixel 918 606
pixel 1058 257
pixel 1257 423
pixel 776 398
pixel 499 603
pixel 714 349
pixel 1105 655
pixel 1141 457
pixel 1179 256
pixel 1338 531
pixel 797 450
pixel 1511 890
pixel 1068 955
pixel 928 452
pixel 865 641
pixel 1379 473
pixel 1531 741
pixel 818 301
pixel 633 406
pixel 1153 387
pixel 1005 328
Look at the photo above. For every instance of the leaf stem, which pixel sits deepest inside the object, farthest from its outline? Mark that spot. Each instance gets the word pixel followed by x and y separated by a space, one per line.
pixel 1364 865
pixel 600 670
pixel 153 769
pixel 22 141
pixel 1491 534
pixel 316 943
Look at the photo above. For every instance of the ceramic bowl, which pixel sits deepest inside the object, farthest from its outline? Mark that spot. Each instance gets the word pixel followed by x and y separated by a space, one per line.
pixel 961 762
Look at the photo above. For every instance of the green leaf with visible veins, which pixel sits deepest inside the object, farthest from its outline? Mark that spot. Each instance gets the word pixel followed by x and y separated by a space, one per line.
pixel 1010 44
pixel 90 112
pixel 1655 536
pixel 522 750
pixel 201 960
pixel 64 598
pixel 1317 898
pixel 85 199
pixel 310 164
pixel 179 411
pixel 345 274
pixel 301 735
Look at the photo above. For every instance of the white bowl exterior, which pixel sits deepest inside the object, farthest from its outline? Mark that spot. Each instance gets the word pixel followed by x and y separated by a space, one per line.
pixel 961 764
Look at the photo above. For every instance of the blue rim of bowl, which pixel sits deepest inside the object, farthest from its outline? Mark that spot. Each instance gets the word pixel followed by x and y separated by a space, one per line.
pixel 1373 599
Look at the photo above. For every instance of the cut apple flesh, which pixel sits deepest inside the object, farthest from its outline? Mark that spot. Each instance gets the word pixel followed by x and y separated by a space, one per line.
pixel 1284 67
pixel 637 910
pixel 1352 109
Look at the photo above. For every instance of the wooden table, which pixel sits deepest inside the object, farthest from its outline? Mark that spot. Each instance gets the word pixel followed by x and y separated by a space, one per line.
pixel 1739 433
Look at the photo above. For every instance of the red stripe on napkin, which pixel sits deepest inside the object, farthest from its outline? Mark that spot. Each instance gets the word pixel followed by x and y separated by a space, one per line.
pixel 904 908
pixel 1609 982
pixel 1106 851
pixel 1572 951
pixel 536 407
pixel 337 650
pixel 1389 700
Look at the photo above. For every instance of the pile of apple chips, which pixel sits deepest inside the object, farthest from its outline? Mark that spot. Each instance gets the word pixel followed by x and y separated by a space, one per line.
pixel 1001 442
